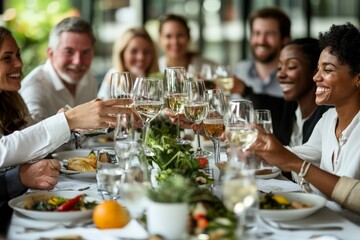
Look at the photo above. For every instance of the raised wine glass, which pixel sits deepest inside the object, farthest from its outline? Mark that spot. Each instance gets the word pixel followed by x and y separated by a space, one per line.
pixel 176 95
pixel 240 129
pixel 224 79
pixel 148 102
pixel 121 86
pixel 214 120
pixel 195 109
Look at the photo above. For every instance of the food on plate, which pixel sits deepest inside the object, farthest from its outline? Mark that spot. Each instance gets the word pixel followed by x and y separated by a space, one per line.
pixel 105 139
pixel 51 203
pixel 274 201
pixel 263 171
pixel 110 214
pixel 104 157
pixel 83 164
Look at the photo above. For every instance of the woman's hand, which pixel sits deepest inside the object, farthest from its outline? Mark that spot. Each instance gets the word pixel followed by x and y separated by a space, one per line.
pixel 183 121
pixel 40 175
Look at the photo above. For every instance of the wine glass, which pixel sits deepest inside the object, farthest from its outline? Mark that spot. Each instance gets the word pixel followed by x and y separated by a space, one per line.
pixel 135 183
pixel 207 74
pixel 121 86
pixel 240 130
pixel 195 109
pixel 214 120
pixel 241 197
pixel 223 79
pixel 148 101
pixel 176 95
pixel 124 138
pixel 263 118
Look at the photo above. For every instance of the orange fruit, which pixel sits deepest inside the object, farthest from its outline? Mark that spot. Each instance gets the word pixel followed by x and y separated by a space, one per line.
pixel 110 214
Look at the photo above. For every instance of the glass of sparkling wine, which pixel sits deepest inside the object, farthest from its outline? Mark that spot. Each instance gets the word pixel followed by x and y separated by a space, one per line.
pixel 224 80
pixel 148 102
pixel 121 86
pixel 240 196
pixel 196 108
pixel 214 120
pixel 240 131
pixel 176 95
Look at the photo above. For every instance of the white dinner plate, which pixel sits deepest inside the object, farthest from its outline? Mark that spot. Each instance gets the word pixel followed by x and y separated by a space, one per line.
pixel 274 173
pixel 18 205
pixel 65 155
pixel 317 202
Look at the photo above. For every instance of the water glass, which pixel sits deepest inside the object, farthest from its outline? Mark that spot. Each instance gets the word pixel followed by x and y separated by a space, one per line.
pixel 124 137
pixel 108 173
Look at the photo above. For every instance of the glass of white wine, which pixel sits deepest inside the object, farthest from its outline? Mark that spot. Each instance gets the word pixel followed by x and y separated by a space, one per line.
pixel 148 102
pixel 263 118
pixel 121 86
pixel 196 108
pixel 224 80
pixel 240 196
pixel 176 95
pixel 214 120
pixel 240 129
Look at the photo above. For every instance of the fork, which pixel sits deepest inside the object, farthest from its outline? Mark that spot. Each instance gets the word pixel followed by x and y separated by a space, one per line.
pixel 73 224
pixel 301 228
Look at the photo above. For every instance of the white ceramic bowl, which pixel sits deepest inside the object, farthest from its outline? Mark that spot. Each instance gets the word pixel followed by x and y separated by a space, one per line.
pixel 18 205
pixel 292 214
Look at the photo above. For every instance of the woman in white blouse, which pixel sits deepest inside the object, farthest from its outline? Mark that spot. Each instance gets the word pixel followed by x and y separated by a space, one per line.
pixel 334 144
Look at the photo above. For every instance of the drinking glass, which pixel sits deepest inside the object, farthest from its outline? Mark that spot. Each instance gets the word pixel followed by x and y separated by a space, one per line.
pixel 121 86
pixel 148 101
pixel 214 120
pixel 208 75
pixel 195 109
pixel 263 118
pixel 135 183
pixel 240 196
pixel 176 95
pixel 240 129
pixel 224 79
pixel 108 173
pixel 124 138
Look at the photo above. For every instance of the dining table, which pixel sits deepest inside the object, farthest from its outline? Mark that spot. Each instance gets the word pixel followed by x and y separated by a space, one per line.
pixel 136 230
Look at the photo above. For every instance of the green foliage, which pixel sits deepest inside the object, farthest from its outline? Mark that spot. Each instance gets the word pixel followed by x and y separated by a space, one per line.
pixel 31 22
pixel 174 189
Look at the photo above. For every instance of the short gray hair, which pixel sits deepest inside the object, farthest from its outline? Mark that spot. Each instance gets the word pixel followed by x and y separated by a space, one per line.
pixel 71 24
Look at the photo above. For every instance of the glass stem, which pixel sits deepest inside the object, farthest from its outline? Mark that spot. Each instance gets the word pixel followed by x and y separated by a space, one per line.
pixel 241 224
pixel 178 138
pixel 216 151
pixel 198 140
pixel 144 133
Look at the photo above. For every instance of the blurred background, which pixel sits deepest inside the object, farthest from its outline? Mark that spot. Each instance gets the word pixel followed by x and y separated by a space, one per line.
pixel 219 29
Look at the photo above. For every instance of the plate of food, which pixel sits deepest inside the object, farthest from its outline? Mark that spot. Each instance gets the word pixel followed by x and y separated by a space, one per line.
pixel 55 206
pixel 290 206
pixel 267 173
pixel 79 163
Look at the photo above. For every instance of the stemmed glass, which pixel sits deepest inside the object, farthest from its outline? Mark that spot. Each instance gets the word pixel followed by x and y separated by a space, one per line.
pixel 263 118
pixel 195 109
pixel 240 196
pixel 214 120
pixel 148 101
pixel 207 74
pixel 176 95
pixel 240 130
pixel 224 79
pixel 121 86
pixel 124 138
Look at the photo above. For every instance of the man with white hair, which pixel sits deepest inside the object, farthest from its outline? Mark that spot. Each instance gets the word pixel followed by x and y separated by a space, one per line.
pixel 65 78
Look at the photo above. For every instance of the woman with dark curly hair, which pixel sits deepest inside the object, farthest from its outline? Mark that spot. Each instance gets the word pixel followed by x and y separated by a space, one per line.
pixel 330 160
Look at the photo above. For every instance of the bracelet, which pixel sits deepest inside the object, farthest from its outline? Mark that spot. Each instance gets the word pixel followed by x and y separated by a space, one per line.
pixel 302 174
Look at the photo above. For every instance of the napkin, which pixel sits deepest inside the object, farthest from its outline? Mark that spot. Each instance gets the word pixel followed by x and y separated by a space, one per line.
pixel 276 185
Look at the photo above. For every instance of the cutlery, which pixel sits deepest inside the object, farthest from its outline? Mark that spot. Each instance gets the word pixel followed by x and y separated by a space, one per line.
pixel 73 224
pixel 301 228
pixel 79 189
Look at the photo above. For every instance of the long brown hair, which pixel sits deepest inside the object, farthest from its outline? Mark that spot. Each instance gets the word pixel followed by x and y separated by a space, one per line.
pixel 12 107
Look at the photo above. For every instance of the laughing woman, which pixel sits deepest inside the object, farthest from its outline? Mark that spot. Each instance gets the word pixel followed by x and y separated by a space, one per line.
pixel 334 144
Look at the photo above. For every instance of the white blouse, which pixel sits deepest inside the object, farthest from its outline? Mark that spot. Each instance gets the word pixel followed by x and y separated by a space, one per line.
pixel 34 142
pixel 341 158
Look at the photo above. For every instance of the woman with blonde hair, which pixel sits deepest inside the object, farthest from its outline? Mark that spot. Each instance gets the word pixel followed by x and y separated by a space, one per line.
pixel 134 52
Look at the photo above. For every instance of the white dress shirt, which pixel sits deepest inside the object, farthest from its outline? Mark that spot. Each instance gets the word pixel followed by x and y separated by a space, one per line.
pixel 341 158
pixel 44 93
pixel 34 142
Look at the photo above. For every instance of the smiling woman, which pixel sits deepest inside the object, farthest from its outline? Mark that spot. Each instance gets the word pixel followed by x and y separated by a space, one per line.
pixel 326 154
